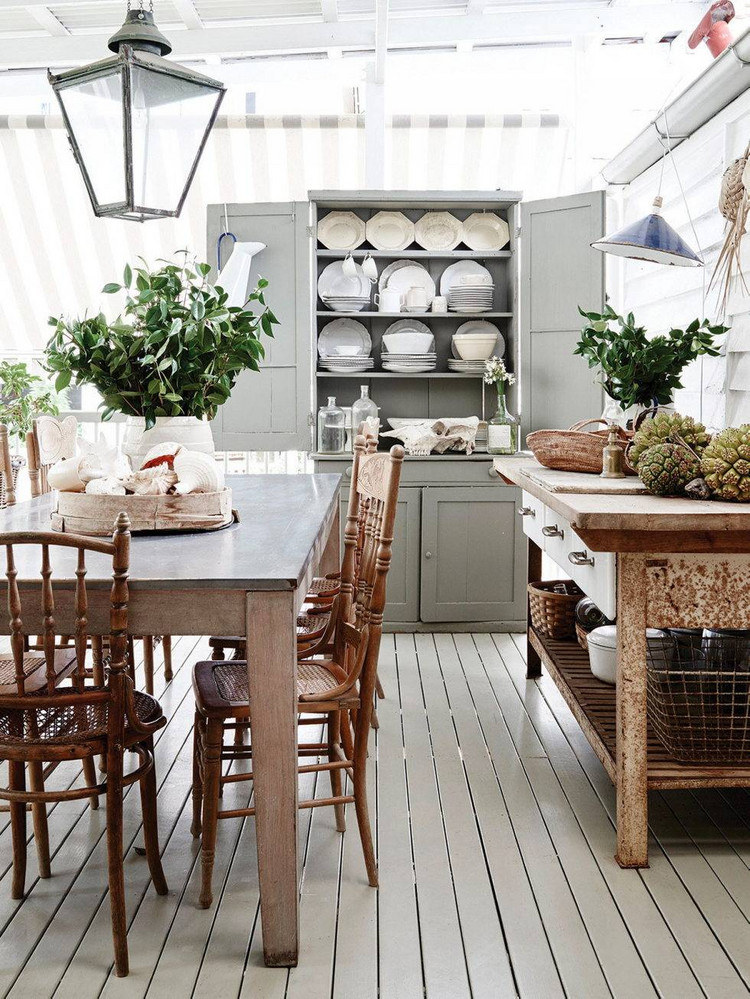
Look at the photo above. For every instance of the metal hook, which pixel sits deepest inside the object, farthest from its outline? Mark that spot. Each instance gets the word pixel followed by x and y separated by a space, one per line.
pixel 225 235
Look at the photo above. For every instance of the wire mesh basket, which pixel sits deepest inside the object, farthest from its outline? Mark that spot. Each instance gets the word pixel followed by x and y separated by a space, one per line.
pixel 699 695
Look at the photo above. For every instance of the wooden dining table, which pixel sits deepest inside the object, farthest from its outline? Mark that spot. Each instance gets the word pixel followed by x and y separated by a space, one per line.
pixel 247 579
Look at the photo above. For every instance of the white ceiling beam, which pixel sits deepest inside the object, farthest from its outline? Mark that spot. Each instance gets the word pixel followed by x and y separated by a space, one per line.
pixel 330 10
pixel 188 13
pixel 45 17
pixel 402 32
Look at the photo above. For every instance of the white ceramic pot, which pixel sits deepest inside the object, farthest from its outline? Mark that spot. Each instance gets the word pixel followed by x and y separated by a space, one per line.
pixel 189 431
pixel 602 643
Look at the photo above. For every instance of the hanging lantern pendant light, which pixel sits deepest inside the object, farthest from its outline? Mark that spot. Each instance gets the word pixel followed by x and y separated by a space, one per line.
pixel 650 238
pixel 137 123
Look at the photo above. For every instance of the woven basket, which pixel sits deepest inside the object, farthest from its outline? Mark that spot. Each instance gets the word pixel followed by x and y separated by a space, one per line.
pixel 583 637
pixel 554 614
pixel 574 450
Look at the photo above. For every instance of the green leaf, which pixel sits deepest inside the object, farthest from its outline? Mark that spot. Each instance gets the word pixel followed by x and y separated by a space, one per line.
pixel 110 289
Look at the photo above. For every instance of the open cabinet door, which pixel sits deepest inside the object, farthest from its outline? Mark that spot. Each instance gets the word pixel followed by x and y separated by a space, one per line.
pixel 559 272
pixel 270 410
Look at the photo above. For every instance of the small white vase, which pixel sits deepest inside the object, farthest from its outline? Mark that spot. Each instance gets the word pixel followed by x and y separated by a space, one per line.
pixel 189 431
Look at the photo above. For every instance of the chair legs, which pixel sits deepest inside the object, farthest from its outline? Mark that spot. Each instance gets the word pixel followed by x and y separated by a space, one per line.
pixel 198 737
pixel 334 740
pixel 115 865
pixel 17 782
pixel 150 824
pixel 39 813
pixel 166 645
pixel 211 784
pixel 148 663
pixel 89 775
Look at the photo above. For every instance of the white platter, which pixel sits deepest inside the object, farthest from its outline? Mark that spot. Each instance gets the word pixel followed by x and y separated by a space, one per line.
pixel 333 283
pixel 344 333
pixel 407 326
pixel 402 275
pixel 390 231
pixel 408 368
pixel 485 231
pixel 452 273
pixel 438 231
pixel 341 231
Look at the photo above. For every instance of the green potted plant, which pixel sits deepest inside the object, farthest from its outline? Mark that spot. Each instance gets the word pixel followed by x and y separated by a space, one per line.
pixel 23 396
pixel 638 370
pixel 170 359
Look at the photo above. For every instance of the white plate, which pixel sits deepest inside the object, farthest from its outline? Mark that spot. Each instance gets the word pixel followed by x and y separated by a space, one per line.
pixel 408 368
pixel 344 333
pixel 485 231
pixel 341 231
pixel 408 326
pixel 405 274
pixel 333 283
pixel 390 231
pixel 452 273
pixel 438 231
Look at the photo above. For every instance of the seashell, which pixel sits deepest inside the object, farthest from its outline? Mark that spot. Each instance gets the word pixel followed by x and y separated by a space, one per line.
pixel 165 451
pixel 110 459
pixel 105 486
pixel 89 468
pixel 155 481
pixel 63 475
pixel 197 473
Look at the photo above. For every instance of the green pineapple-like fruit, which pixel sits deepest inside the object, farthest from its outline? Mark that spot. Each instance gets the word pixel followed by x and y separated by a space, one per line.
pixel 662 428
pixel 665 469
pixel 726 464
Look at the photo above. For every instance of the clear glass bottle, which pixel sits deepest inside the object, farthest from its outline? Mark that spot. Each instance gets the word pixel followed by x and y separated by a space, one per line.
pixel 502 429
pixel 363 409
pixel 331 428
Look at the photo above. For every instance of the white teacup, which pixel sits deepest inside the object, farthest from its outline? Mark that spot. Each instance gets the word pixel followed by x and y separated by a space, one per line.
pixel 440 304
pixel 388 301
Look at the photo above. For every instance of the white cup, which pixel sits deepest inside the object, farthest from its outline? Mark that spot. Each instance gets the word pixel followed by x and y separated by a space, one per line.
pixel 388 301
pixel 440 304
pixel 416 299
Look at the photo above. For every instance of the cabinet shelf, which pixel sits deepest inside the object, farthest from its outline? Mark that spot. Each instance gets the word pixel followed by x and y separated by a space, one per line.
pixel 417 254
pixel 396 374
pixel 329 314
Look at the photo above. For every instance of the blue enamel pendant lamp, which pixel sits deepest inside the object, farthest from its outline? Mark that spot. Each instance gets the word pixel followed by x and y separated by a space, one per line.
pixel 650 238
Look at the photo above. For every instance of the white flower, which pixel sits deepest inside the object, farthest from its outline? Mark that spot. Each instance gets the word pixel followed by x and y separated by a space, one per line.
pixel 495 371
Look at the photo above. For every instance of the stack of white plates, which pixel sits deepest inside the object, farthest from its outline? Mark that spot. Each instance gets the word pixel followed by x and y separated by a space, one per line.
pixel 409 363
pixel 346 304
pixel 346 364
pixel 468 367
pixel 471 297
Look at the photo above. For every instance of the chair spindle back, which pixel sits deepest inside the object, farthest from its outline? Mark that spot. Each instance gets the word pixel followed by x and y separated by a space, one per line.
pixel 49 441
pixel 7 479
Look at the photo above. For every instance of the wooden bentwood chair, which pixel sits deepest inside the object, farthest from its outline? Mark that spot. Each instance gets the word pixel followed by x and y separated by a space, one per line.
pixel 50 440
pixel 336 688
pixel 43 724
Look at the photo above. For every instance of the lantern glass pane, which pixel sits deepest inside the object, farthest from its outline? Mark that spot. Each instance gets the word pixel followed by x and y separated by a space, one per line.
pixel 170 118
pixel 94 110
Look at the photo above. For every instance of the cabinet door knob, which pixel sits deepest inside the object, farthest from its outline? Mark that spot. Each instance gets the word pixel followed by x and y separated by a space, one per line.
pixel 493 472
pixel 553 532
pixel 428 554
pixel 526 511
pixel 580 558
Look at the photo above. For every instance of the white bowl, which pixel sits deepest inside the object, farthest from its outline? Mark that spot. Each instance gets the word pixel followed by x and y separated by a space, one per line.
pixel 408 342
pixel 475 337
pixel 470 351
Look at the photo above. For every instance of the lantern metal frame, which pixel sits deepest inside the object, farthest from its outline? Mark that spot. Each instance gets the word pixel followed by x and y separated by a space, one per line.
pixel 127 59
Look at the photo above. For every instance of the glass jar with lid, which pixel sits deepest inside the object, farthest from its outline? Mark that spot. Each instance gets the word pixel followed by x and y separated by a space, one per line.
pixel 331 428
pixel 364 409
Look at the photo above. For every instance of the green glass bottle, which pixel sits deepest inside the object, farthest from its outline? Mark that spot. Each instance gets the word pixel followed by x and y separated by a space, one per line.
pixel 502 429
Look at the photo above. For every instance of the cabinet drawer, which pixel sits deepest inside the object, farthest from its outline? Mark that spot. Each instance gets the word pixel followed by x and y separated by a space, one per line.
pixel 595 573
pixel 531 513
pixel 556 532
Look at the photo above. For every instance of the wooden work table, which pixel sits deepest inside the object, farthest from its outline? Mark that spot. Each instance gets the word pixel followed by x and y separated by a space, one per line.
pixel 679 564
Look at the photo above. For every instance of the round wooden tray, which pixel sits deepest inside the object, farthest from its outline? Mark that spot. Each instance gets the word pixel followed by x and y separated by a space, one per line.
pixel 81 513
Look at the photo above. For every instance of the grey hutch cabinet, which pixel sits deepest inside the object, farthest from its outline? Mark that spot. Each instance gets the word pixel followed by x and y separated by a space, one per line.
pixel 459 556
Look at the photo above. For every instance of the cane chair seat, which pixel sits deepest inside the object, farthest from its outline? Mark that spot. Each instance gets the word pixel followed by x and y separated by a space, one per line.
pixel 310 627
pixel 77 723
pixel 34 670
pixel 323 589
pixel 221 687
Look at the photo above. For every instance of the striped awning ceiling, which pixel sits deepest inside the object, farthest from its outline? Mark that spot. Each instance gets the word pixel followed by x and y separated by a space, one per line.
pixel 55 256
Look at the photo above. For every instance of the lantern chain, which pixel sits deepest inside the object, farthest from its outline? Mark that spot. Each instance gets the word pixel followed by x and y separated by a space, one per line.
pixel 141 5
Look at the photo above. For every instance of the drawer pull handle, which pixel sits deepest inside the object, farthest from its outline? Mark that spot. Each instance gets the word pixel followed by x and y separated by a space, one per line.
pixel 553 532
pixel 580 558
pixel 526 511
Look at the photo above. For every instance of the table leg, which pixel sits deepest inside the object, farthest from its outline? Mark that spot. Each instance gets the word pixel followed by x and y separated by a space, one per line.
pixel 272 667
pixel 533 575
pixel 632 764
pixel 331 558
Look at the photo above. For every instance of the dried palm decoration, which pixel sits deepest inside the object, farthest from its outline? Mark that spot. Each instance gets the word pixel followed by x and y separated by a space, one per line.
pixel 734 205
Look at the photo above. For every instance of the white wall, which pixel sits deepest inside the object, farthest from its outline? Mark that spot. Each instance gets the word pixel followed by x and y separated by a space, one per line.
pixel 716 389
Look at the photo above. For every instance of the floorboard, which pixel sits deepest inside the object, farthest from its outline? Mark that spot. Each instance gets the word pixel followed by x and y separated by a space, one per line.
pixel 494 826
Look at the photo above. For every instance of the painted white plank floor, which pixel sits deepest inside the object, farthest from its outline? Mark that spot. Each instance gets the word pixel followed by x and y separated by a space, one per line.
pixel 494 829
